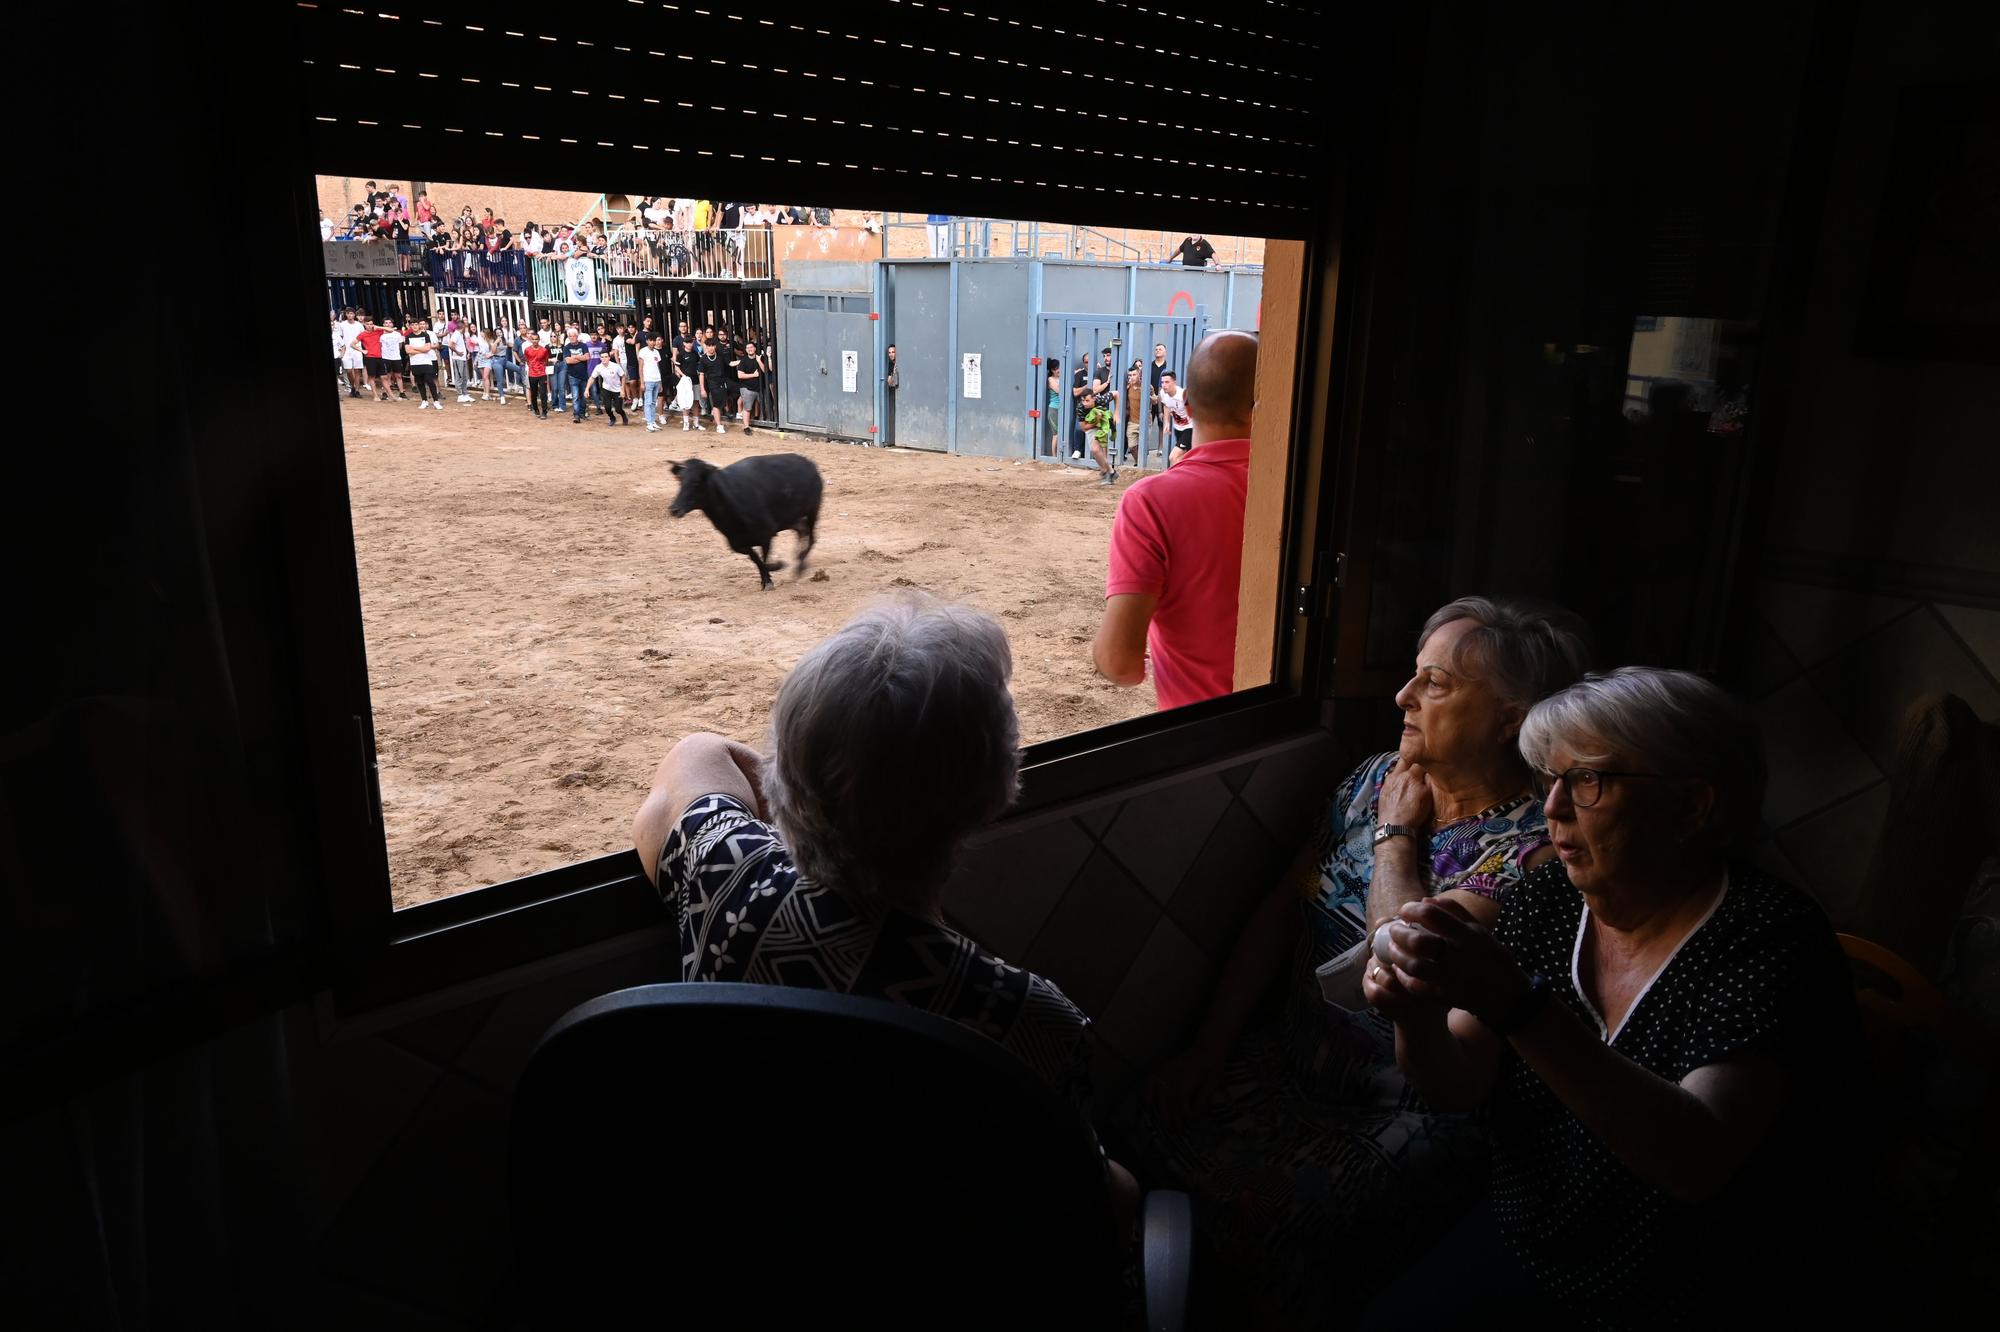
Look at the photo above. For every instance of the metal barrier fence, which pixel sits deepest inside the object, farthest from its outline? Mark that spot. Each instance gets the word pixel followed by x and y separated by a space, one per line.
pixel 473 273
pixel 741 254
pixel 505 312
pixel 577 281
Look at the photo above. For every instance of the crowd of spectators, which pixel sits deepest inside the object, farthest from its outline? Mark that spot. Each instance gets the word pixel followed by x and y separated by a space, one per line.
pixel 387 214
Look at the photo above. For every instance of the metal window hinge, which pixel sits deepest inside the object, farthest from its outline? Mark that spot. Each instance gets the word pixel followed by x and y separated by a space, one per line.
pixel 1315 600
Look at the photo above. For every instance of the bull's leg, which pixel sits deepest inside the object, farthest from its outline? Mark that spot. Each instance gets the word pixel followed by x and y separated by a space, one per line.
pixel 806 538
pixel 756 554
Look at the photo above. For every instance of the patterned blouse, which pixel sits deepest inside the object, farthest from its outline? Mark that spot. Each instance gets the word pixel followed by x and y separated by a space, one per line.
pixel 1354 1055
pixel 746 915
pixel 1761 973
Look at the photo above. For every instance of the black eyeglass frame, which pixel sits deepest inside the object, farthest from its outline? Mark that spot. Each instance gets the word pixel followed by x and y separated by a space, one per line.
pixel 1545 782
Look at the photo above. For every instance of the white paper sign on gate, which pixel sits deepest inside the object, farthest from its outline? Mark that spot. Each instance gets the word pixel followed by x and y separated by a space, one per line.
pixel 850 370
pixel 971 374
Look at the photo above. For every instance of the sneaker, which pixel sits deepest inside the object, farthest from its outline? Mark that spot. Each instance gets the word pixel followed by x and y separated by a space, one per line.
pixel 353 393
pixel 1106 478
pixel 1114 476
pixel 748 431
pixel 465 397
pixel 1076 453
pixel 385 397
pixel 652 430
pixel 402 397
pixel 503 400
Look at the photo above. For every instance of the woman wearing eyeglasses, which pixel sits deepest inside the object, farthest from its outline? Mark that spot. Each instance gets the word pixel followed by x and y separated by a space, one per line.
pixel 1312 1166
pixel 1657 1030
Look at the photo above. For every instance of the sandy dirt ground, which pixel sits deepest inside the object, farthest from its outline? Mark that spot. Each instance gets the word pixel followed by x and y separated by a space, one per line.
pixel 540 632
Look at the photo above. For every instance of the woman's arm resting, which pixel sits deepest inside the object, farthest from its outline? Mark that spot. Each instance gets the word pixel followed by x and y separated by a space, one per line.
pixel 699 765
pixel 1686 1138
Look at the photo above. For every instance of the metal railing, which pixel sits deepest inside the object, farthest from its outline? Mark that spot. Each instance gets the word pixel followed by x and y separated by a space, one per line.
pixel 740 254
pixel 1006 238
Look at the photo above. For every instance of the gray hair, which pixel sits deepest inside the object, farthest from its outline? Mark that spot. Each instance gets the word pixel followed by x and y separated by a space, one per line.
pixel 1523 650
pixel 1671 722
pixel 892 741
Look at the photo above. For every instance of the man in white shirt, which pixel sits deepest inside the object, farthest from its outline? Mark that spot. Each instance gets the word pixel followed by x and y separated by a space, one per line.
pixel 423 350
pixel 325 226
pixel 649 378
pixel 392 363
pixel 347 336
pixel 456 349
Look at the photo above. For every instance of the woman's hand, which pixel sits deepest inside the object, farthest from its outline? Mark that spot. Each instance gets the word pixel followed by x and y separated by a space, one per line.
pixel 1406 799
pixel 1180 1085
pixel 1440 953
pixel 1384 989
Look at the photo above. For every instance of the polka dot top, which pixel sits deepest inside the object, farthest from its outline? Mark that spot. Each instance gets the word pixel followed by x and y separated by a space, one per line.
pixel 1761 973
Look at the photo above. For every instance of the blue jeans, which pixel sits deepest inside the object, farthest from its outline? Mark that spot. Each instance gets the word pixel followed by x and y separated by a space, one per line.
pixel 652 401
pixel 558 378
pixel 579 391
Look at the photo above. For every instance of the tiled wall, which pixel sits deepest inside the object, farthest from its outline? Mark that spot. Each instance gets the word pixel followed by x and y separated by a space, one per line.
pixel 1129 903
pixel 1836 671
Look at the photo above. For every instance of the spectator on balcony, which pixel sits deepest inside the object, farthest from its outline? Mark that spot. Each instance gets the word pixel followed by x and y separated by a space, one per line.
pixel 424 212
pixel 325 226
pixel 1194 251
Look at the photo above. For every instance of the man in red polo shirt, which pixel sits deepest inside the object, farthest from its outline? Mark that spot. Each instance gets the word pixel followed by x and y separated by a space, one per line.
pixel 1177 542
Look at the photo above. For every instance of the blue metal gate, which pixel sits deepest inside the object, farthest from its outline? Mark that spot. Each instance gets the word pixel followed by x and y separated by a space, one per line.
pixel 1064 338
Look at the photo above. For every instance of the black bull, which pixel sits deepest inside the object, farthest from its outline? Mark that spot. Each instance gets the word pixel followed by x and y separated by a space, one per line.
pixel 751 501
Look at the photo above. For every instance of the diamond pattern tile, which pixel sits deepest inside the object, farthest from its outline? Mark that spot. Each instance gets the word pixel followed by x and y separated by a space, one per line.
pixel 1164 994
pixel 1004 889
pixel 1979 630
pixel 1815 622
pixel 1871 686
pixel 1094 933
pixel 1290 785
pixel 500 1050
pixel 1157 833
pixel 1814 762
pixel 443 1037
pixel 428 1226
pixel 1833 847
pixel 361 1092
pixel 1234 871
pixel 1770 665
pixel 1097 818
pixel 1234 778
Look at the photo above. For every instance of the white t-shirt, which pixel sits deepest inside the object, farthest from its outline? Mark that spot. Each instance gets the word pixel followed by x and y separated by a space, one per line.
pixel 610 374
pixel 454 342
pixel 349 331
pixel 423 349
pixel 392 345
pixel 339 340
pixel 649 365
pixel 532 243
pixel 1174 406
pixel 326 228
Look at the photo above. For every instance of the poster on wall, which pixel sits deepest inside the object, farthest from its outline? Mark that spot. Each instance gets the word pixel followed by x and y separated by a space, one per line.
pixel 582 281
pixel 850 370
pixel 971 372
pixel 369 258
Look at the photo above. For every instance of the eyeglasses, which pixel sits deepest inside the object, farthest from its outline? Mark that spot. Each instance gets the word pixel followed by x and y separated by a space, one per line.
pixel 1584 785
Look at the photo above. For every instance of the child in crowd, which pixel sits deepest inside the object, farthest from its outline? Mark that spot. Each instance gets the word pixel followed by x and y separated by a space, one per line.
pixel 1096 423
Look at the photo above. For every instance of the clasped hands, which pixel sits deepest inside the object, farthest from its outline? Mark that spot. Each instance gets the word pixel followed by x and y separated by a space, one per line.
pixel 1435 956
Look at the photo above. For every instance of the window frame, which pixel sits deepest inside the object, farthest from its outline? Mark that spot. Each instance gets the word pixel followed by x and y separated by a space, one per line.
pixel 382 956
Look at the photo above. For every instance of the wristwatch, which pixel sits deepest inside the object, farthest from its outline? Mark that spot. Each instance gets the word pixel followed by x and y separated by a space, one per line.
pixel 1384 832
pixel 1522 1010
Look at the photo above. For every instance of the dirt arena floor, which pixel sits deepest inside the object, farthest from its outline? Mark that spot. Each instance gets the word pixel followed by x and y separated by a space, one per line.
pixel 540 632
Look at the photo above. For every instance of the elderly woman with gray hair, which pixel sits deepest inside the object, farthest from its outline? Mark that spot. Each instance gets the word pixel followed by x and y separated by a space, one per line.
pixel 821 866
pixel 1659 1033
pixel 1310 1162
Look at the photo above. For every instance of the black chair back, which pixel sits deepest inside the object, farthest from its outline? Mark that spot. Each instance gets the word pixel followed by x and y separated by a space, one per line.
pixel 709 1155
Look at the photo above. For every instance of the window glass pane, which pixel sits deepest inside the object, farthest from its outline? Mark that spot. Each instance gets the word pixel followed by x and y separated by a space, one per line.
pixel 540 629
